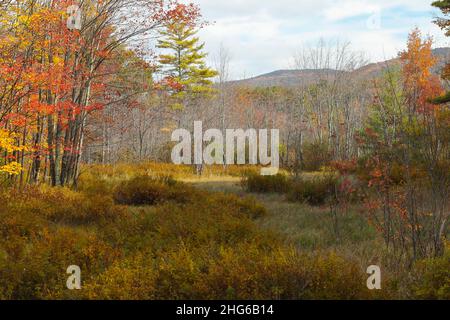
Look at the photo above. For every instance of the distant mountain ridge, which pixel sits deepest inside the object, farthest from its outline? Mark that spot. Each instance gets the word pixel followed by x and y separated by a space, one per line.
pixel 291 78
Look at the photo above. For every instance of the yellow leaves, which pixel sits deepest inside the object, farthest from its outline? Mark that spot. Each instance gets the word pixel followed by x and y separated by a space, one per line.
pixel 23 20
pixel 7 143
pixel 12 168
pixel 58 60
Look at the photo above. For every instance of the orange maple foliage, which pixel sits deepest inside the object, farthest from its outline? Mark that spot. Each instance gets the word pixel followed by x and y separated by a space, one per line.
pixel 419 82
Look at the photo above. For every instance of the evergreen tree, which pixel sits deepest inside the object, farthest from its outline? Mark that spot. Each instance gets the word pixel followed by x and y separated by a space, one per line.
pixel 187 76
pixel 443 23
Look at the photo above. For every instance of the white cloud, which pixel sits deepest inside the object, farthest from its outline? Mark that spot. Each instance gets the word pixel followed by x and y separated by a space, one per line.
pixel 350 8
pixel 263 34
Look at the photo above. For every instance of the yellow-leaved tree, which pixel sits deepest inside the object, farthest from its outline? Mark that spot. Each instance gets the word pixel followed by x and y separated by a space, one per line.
pixel 7 146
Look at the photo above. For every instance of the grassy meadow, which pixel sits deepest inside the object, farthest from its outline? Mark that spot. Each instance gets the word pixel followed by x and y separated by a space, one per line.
pixel 156 231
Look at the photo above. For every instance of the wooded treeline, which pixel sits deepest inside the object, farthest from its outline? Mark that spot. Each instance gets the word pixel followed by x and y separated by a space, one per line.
pixel 53 78
pixel 100 94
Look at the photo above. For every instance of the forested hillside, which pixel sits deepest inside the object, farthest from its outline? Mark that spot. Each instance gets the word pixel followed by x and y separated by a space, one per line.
pixel 294 78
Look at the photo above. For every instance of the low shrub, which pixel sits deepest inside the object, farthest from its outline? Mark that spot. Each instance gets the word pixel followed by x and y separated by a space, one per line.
pixel 240 206
pixel 35 268
pixel 141 191
pixel 145 190
pixel 82 209
pixel 432 279
pixel 246 271
pixel 60 205
pixel 252 272
pixel 131 278
pixel 266 184
pixel 314 191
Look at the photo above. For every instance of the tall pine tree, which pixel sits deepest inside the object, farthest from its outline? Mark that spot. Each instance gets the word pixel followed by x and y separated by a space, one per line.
pixel 187 76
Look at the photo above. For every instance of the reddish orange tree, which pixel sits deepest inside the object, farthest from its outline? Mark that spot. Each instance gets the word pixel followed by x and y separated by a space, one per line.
pixel 52 78
pixel 407 149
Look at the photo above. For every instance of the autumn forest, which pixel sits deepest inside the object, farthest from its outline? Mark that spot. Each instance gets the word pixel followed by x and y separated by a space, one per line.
pixel 93 95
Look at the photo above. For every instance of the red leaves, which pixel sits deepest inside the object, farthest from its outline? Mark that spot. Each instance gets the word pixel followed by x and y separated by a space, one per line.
pixel 39 107
pixel 347 186
pixel 182 13
pixel 345 167
pixel 371 133
pixel 94 107
pixel 376 173
pixel 172 83
pixel 378 177
pixel 15 119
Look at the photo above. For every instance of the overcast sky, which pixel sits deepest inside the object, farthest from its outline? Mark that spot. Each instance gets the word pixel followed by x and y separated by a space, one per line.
pixel 263 35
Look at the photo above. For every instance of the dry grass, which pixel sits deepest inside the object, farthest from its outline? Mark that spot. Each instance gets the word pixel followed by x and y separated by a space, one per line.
pixel 308 227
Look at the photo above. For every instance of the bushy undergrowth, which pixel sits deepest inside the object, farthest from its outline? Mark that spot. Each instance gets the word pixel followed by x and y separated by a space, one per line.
pixel 316 190
pixel 245 271
pixel 432 278
pixel 41 235
pixel 171 241
pixel 255 182
pixel 313 191
pixel 145 190
pixel 43 231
